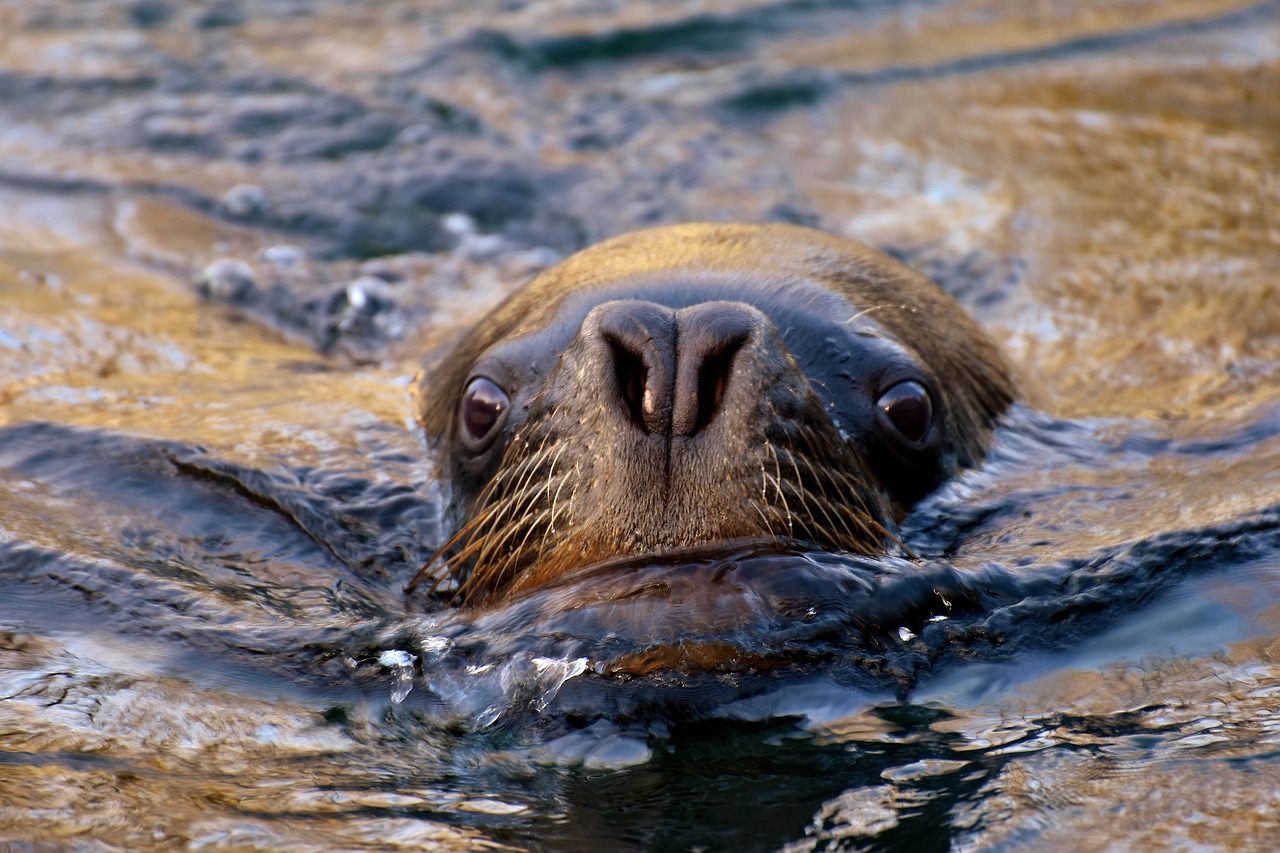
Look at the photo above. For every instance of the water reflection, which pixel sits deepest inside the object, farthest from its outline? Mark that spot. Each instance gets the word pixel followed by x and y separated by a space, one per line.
pixel 209 504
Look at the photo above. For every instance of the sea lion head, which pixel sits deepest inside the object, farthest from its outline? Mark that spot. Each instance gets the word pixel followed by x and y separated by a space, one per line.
pixel 703 387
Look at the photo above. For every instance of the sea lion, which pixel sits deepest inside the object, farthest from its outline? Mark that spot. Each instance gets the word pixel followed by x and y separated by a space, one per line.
pixel 697 387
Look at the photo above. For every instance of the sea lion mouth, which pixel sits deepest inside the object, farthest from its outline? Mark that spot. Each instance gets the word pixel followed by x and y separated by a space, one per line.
pixel 464 572
pixel 725 553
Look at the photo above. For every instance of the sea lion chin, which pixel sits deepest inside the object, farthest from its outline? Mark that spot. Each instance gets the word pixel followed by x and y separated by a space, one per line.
pixel 702 387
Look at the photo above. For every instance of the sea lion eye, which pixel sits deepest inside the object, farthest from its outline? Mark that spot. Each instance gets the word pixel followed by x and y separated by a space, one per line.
pixel 484 408
pixel 909 409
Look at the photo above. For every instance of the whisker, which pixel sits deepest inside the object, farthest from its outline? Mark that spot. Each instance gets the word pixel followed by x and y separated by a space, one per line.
pixel 778 486
pixel 824 501
pixel 805 489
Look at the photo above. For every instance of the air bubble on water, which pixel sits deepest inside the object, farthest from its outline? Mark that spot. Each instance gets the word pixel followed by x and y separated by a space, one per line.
pixel 395 658
pixel 434 647
pixel 488 716
pixel 558 665
pixel 906 634
pixel 484 693
pixel 401 663
pixel 403 687
pixel 554 672
pixel 356 296
pixel 284 257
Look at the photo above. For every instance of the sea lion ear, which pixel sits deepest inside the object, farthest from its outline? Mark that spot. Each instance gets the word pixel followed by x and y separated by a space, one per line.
pixel 482 412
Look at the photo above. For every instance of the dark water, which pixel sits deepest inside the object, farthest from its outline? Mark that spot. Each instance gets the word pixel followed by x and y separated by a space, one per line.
pixel 229 231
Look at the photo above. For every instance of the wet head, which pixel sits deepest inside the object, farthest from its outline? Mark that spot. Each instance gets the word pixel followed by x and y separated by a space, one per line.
pixel 702 389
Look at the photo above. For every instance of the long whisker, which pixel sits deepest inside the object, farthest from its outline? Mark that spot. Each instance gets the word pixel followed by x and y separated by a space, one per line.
pixel 777 466
pixel 805 491
pixel 837 521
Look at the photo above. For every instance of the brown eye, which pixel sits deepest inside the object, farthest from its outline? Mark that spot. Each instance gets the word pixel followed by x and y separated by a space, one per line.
pixel 908 408
pixel 484 405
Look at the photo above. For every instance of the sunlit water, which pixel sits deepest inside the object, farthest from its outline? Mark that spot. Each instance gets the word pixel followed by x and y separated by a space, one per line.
pixel 212 495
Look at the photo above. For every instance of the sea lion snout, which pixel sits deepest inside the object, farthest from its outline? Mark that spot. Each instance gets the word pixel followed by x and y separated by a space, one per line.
pixel 671 367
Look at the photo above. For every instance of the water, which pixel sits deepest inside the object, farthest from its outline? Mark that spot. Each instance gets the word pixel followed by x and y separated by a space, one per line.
pixel 211 495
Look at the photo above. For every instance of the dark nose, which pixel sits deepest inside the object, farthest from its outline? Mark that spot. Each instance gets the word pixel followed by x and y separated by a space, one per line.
pixel 674 366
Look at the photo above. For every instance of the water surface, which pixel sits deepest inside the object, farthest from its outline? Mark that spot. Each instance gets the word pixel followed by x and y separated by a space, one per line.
pixel 229 232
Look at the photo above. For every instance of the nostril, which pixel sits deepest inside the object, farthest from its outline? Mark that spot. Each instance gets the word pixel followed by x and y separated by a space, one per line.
pixel 631 375
pixel 713 379
pixel 641 341
pixel 711 336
